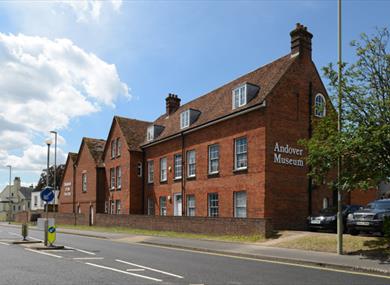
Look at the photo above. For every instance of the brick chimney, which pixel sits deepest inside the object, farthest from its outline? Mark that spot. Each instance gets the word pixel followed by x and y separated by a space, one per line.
pixel 172 103
pixel 301 41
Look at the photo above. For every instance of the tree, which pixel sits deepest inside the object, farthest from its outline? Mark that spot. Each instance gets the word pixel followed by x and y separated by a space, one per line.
pixel 42 180
pixel 364 142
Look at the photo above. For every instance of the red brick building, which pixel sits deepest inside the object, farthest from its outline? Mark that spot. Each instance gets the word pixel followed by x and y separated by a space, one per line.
pixel 123 160
pixel 89 181
pixel 67 195
pixel 234 152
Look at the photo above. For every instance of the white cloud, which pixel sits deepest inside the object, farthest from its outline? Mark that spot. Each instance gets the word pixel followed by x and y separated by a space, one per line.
pixel 44 84
pixel 91 9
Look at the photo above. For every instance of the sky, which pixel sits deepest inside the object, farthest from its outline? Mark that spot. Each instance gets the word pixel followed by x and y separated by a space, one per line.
pixel 70 66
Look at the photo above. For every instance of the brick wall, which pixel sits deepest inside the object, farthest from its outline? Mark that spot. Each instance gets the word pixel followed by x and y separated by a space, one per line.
pixel 360 197
pixel 61 218
pixel 66 197
pixel 201 225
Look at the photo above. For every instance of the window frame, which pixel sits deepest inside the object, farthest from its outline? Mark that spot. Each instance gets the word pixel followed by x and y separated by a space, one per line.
pixel 118 175
pixel 150 171
pixel 113 148
pixel 177 165
pixel 112 178
pixel 185 119
pixel 139 169
pixel 189 207
pixel 236 154
pixel 210 159
pixel 150 133
pixel 150 207
pixel 118 147
pixel 163 206
pixel 235 194
pixel 190 164
pixel 214 207
pixel 317 113
pixel 84 182
pixel 242 96
pixel 117 203
pixel 163 171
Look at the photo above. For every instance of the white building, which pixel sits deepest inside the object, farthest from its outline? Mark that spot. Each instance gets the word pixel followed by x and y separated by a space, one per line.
pixel 38 204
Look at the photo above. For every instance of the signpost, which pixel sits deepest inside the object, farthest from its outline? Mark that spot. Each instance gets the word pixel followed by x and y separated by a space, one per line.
pixel 47 195
pixel 51 235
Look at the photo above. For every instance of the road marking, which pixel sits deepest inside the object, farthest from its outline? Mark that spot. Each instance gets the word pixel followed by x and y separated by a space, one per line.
pixel 269 261
pixel 135 269
pixel 3 243
pixel 33 238
pixel 44 253
pixel 11 233
pixel 81 250
pixel 87 258
pixel 124 272
pixel 148 268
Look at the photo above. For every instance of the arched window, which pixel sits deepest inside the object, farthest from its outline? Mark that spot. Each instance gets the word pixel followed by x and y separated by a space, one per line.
pixel 320 106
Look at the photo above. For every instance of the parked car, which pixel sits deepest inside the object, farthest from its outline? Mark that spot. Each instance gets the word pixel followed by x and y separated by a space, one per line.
pixel 327 218
pixel 369 219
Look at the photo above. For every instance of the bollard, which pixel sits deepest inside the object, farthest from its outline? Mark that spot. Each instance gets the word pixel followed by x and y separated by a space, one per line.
pixel 24 232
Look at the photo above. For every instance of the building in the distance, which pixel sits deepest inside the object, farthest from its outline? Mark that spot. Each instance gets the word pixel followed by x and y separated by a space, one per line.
pixel 14 199
pixel 233 152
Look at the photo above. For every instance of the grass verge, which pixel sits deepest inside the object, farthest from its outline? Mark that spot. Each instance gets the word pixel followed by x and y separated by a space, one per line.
pixel 229 238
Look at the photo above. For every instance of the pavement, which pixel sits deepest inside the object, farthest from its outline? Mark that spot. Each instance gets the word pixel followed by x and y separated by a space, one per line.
pixel 263 251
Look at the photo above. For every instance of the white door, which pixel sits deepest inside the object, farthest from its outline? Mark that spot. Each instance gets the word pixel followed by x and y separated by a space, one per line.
pixel 177 204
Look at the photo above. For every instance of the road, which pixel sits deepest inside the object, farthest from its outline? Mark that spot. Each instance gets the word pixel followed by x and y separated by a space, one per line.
pixel 101 261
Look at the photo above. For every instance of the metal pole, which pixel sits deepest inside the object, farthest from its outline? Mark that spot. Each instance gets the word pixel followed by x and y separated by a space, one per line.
pixel 47 185
pixel 339 190
pixel 9 195
pixel 55 168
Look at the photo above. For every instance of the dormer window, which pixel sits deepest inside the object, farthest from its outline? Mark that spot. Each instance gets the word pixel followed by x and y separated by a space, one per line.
pixel 319 106
pixel 153 132
pixel 150 134
pixel 239 96
pixel 188 117
pixel 185 119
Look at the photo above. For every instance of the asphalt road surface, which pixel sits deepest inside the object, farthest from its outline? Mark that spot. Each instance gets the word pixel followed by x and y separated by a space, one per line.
pixel 98 261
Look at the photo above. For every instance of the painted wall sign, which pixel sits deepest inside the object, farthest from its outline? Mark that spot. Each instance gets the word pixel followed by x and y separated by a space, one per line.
pixel 67 190
pixel 280 152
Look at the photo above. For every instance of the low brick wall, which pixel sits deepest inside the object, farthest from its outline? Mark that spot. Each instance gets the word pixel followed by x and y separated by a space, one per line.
pixel 61 218
pixel 200 225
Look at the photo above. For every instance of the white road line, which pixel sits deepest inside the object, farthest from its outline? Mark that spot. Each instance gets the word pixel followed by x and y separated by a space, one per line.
pixel 135 269
pixel 87 258
pixel 124 272
pixel 11 233
pixel 44 253
pixel 3 243
pixel 81 250
pixel 33 238
pixel 148 268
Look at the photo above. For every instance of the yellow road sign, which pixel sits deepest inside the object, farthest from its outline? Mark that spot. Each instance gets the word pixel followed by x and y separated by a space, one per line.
pixel 51 234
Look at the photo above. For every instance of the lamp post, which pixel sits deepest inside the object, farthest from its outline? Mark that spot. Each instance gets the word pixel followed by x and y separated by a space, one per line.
pixel 9 195
pixel 55 168
pixel 339 126
pixel 48 143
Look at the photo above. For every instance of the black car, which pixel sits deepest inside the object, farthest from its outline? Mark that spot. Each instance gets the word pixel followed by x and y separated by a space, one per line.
pixel 327 218
pixel 369 219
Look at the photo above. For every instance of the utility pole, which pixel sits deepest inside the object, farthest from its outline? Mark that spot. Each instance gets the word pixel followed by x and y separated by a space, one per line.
pixel 55 168
pixel 48 142
pixel 339 126
pixel 9 195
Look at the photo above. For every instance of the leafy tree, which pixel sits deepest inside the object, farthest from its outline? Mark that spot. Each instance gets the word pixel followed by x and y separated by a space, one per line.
pixel 364 143
pixel 42 180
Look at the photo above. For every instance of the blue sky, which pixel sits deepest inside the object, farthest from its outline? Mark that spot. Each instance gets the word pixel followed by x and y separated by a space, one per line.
pixel 123 58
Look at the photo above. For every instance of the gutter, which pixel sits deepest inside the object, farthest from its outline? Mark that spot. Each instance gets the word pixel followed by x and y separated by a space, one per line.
pixel 207 124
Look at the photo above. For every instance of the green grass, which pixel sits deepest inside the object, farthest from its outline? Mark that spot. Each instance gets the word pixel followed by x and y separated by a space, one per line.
pixel 328 243
pixel 230 238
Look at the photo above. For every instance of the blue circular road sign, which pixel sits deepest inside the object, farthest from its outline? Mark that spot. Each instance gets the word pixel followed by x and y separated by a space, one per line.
pixel 47 194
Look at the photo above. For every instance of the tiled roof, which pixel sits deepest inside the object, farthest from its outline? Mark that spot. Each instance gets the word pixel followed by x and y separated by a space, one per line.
pixel 26 192
pixel 134 131
pixel 73 156
pixel 218 103
pixel 96 147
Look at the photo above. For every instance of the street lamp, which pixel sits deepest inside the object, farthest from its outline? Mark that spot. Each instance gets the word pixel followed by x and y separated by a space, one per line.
pixel 9 195
pixel 48 143
pixel 55 167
